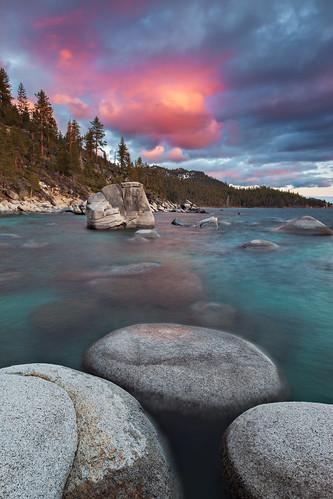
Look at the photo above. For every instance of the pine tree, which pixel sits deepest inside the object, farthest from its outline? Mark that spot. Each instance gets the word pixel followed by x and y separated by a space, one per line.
pixel 89 143
pixel 123 156
pixel 44 121
pixel 139 162
pixel 5 90
pixel 22 104
pixel 97 134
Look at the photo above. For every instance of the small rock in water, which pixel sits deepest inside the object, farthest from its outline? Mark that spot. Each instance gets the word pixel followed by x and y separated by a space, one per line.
pixel 211 221
pixel 260 244
pixel 10 234
pixel 176 221
pixel 34 244
pixel 147 234
pixel 131 269
pixel 305 225
pixel 281 450
pixel 118 453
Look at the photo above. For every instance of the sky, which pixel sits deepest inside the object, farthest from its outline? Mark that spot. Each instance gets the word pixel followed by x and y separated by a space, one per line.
pixel 240 89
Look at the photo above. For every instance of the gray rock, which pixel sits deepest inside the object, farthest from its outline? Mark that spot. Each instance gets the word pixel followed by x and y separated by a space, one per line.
pixel 38 438
pixel 305 225
pixel 119 453
pixel 180 223
pixel 221 375
pixel 194 381
pixel 260 244
pixel 281 450
pixel 147 234
pixel 120 206
pixel 209 222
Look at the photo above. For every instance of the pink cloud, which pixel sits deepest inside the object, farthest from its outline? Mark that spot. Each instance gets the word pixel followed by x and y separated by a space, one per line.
pixel 176 154
pixel 165 102
pixel 77 107
pixel 154 154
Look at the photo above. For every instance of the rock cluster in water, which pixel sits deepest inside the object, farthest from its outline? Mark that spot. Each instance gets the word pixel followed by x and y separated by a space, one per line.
pixel 193 380
pixel 120 206
pixel 66 434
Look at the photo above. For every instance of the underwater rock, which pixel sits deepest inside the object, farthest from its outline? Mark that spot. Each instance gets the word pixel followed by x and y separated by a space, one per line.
pixel 305 225
pixel 260 244
pixel 176 221
pixel 281 450
pixel 212 314
pixel 147 234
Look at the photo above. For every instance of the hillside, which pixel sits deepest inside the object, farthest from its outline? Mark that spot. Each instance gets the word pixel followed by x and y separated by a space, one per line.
pixel 36 159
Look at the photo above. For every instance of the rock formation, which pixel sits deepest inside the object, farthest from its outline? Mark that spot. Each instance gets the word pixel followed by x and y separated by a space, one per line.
pixel 120 206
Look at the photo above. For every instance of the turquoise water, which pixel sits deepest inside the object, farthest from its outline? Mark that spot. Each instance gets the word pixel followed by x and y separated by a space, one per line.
pixel 55 297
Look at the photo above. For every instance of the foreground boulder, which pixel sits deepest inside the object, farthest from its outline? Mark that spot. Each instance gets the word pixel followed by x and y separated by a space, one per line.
pixel 38 438
pixel 260 244
pixel 281 450
pixel 118 453
pixel 120 206
pixel 193 380
pixel 305 225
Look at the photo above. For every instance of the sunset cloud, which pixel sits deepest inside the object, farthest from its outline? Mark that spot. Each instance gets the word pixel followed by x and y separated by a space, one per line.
pixel 225 87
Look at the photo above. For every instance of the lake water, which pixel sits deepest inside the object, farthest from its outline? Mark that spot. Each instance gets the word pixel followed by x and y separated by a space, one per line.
pixel 62 287
pixel 55 299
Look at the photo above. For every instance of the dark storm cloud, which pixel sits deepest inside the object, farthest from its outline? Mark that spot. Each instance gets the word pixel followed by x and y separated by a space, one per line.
pixel 231 85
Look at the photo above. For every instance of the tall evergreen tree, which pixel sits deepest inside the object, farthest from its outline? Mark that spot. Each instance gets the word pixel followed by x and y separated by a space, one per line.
pixel 5 90
pixel 89 144
pixel 97 134
pixel 22 104
pixel 123 156
pixel 44 121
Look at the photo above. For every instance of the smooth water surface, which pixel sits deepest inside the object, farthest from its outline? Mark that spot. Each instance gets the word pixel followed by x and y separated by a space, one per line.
pixel 61 288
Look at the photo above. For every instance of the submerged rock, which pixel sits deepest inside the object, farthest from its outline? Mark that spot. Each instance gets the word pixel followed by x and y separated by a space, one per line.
pixel 260 244
pixel 118 454
pixel 38 438
pixel 194 381
pixel 210 221
pixel 281 450
pixel 212 314
pixel 305 225
pixel 120 206
pixel 147 234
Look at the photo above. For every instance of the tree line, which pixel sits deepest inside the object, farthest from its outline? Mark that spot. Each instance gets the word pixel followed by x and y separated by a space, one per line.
pixel 33 149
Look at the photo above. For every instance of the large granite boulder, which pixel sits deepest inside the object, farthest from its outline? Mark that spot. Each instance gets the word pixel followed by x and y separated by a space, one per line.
pixel 305 225
pixel 120 206
pixel 38 438
pixel 193 380
pixel 281 450
pixel 118 454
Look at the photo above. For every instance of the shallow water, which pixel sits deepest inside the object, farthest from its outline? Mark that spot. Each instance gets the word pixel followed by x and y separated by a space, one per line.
pixel 61 288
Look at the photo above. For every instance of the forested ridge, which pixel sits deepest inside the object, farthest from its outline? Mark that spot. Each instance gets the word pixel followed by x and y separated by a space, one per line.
pixel 33 152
